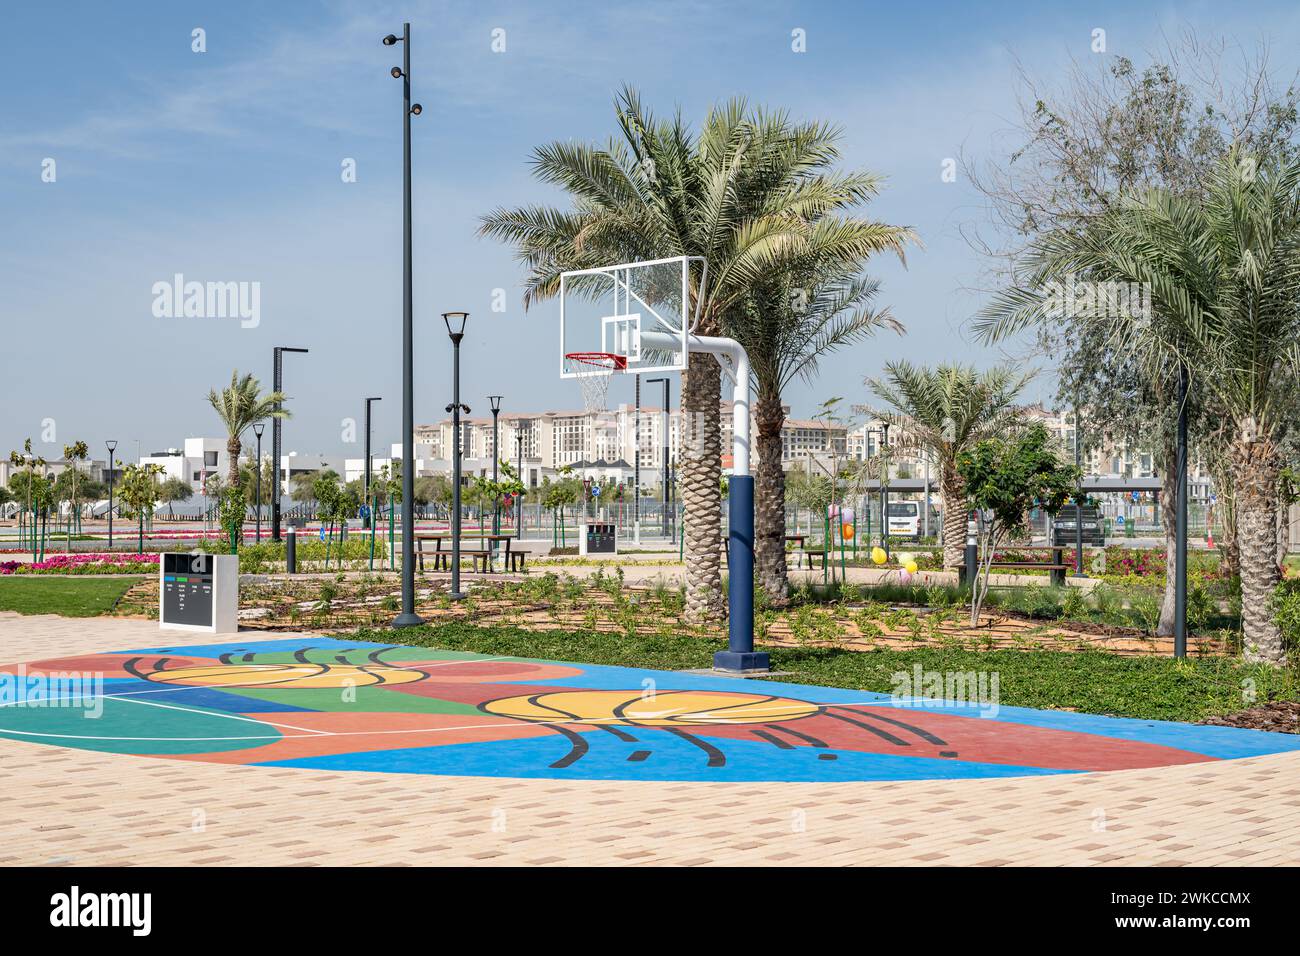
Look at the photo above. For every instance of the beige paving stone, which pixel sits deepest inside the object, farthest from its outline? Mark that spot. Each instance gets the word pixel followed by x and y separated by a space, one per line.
pixel 80 808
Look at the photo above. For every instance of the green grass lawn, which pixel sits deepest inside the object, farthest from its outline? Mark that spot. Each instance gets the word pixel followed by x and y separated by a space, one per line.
pixel 71 596
pixel 1096 683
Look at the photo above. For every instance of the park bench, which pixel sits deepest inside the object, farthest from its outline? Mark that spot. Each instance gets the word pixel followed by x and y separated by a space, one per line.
pixel 480 555
pixel 800 552
pixel 1056 566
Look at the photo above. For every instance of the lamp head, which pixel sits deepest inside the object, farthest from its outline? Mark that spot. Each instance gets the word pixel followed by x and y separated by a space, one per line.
pixel 258 428
pixel 495 402
pixel 390 40
pixel 397 72
pixel 416 109
pixel 455 323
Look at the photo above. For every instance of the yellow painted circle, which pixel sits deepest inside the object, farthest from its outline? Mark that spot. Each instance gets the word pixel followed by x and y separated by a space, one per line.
pixel 667 709
pixel 285 676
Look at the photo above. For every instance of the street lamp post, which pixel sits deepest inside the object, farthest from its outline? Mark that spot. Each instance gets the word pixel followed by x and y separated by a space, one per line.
pixel 664 473
pixel 258 428
pixel 277 386
pixel 495 402
pixel 1078 498
pixel 884 486
pixel 1180 521
pixel 370 521
pixel 408 617
pixel 112 447
pixel 456 331
pixel 519 505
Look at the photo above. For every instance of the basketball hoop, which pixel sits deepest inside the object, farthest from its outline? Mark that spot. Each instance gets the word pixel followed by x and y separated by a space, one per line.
pixel 593 371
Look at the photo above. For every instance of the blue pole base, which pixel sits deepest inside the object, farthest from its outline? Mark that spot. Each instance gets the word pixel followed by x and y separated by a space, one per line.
pixel 744 662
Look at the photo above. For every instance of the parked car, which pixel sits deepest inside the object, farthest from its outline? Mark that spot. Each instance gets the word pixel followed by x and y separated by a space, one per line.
pixel 1063 528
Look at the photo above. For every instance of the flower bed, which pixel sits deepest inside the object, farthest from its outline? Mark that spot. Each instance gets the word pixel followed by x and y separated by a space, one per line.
pixel 85 564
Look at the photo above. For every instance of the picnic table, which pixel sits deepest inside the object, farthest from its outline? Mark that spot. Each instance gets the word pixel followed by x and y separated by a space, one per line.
pixel 482 554
pixel 800 551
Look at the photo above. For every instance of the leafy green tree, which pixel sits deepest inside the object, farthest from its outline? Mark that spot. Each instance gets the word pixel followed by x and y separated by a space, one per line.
pixel 1079 147
pixel 945 410
pixel 175 489
pixel 753 192
pixel 1223 272
pixel 239 407
pixel 1004 478
pixel 139 491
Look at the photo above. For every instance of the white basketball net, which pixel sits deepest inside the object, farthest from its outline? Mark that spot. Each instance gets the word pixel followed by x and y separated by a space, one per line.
pixel 594 371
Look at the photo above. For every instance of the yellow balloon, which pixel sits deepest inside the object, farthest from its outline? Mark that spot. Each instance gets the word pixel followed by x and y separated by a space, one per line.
pixel 878 555
pixel 846 532
pixel 912 567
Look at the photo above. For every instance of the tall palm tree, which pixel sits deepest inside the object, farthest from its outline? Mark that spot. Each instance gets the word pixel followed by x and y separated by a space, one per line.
pixel 786 328
pixel 240 407
pixel 752 193
pixel 946 410
pixel 1223 270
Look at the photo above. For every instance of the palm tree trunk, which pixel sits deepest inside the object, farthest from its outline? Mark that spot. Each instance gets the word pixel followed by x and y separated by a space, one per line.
pixel 1169 518
pixel 232 452
pixel 769 499
pixel 701 473
pixel 1256 466
pixel 953 497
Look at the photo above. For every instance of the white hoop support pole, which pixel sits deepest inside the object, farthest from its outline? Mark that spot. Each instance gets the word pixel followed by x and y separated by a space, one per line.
pixel 740 656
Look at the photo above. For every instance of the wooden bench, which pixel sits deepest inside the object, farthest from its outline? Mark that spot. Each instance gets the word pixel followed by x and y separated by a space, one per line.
pixel 480 556
pixel 799 553
pixel 1056 568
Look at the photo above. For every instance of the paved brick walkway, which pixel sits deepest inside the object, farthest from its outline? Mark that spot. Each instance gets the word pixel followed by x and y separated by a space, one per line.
pixel 60 806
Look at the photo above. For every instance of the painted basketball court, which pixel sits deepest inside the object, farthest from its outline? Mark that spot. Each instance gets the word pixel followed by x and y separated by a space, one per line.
pixel 326 704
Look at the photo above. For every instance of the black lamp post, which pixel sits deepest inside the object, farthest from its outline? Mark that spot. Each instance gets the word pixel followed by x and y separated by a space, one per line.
pixel 884 486
pixel 408 617
pixel 1180 521
pixel 277 386
pixel 519 507
pixel 1078 498
pixel 456 331
pixel 112 447
pixel 258 428
pixel 664 475
pixel 370 521
pixel 495 402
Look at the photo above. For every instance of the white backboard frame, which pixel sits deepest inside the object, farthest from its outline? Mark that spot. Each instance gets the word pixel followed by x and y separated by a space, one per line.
pixel 655 335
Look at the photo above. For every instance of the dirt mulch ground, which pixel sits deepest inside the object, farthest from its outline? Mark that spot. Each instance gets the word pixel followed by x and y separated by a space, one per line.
pixel 1281 716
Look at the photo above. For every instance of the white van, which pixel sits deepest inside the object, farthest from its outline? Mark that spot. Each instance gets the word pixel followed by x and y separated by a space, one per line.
pixel 904 519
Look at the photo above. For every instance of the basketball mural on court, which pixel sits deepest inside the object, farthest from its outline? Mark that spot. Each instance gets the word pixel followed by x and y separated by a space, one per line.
pixel 327 704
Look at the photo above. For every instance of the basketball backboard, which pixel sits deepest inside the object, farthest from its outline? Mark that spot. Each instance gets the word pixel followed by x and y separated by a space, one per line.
pixel 633 317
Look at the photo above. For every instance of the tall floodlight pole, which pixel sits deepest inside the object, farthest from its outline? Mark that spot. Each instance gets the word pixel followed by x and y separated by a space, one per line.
pixel 456 331
pixel 664 473
pixel 495 402
pixel 1078 498
pixel 277 386
pixel 408 617
pixel 1180 523
pixel 112 447
pixel 370 521
pixel 258 428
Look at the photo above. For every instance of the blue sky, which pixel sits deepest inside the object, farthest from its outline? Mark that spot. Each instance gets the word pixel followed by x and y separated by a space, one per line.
pixel 225 166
